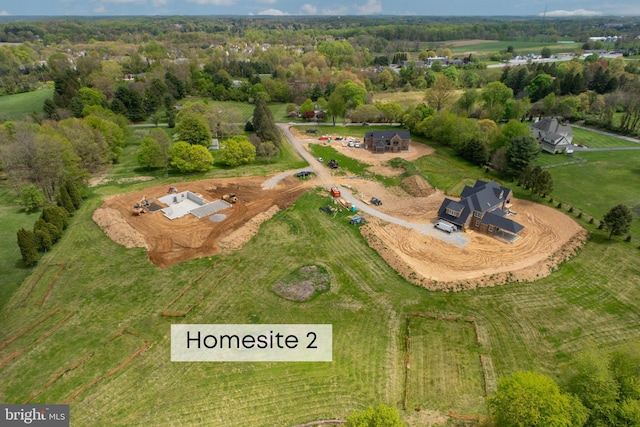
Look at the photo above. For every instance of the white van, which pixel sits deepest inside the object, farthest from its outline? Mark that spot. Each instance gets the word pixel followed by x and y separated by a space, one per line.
pixel 445 226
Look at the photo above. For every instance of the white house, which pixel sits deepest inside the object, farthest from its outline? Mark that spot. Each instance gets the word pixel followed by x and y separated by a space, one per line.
pixel 553 136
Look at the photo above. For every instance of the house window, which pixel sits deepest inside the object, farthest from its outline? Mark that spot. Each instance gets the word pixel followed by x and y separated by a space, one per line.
pixel 477 223
pixel 477 214
pixel 452 212
pixel 490 229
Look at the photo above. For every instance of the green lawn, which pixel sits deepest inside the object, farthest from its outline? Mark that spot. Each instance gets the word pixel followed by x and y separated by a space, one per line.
pixel 13 107
pixel 240 112
pixel 12 218
pixel 452 345
pixel 598 140
pixel 605 180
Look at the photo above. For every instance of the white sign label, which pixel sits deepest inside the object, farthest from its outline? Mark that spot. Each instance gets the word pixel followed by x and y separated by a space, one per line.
pixel 251 343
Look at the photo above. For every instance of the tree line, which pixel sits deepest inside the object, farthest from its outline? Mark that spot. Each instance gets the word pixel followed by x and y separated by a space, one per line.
pixel 601 388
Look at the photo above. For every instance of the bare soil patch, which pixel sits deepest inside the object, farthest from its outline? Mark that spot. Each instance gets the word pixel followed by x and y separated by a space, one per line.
pixel 549 238
pixel 172 241
pixel 302 284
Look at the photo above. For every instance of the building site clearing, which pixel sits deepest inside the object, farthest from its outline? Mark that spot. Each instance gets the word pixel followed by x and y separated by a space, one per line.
pixel 549 238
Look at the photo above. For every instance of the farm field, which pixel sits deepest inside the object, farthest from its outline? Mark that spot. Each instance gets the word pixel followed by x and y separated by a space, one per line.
pixel 115 298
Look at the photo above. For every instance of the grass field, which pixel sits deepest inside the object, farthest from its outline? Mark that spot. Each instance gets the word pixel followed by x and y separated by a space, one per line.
pixel 590 301
pixel 598 140
pixel 436 344
pixel 13 107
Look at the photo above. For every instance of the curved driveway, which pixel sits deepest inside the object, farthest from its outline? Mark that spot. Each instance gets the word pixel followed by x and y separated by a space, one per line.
pixel 326 181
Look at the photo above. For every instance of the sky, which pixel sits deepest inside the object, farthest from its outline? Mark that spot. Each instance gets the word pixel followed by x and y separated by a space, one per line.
pixel 320 7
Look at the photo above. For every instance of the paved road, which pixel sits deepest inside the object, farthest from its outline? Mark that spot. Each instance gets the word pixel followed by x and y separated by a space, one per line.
pixel 326 181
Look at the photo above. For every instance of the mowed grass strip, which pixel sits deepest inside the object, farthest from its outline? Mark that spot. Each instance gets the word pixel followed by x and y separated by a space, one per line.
pixel 445 371
pixel 40 289
pixel 106 357
pixel 599 140
pixel 26 339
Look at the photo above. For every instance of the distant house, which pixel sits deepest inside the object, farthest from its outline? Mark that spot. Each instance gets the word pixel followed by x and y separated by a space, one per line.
pixel 387 141
pixel 553 136
pixel 483 207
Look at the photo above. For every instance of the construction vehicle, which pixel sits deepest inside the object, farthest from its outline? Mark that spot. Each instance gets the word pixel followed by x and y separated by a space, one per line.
pixel 376 201
pixel 335 192
pixel 357 220
pixel 230 198
pixel 333 164
pixel 141 207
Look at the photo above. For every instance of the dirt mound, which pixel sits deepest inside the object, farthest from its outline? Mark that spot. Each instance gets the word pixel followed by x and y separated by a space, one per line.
pixel 417 186
pixel 115 226
pixel 303 283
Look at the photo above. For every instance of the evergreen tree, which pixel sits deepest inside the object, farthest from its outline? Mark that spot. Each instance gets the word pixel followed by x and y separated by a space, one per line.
pixel 264 123
pixel 54 232
pixel 521 152
pixel 28 248
pixel 72 189
pixel 43 240
pixel 56 215
pixel 64 200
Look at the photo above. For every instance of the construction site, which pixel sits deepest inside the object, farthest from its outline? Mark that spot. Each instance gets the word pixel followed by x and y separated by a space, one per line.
pixel 205 218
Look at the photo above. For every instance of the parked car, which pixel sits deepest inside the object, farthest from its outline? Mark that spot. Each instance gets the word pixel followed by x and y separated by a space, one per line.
pixel 320 159
pixel 376 201
pixel 303 174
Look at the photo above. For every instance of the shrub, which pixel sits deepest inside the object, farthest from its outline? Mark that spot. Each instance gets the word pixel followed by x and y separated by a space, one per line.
pixel 27 244
pixel 74 193
pixel 628 239
pixel 32 198
pixel 571 209
pixel 580 215
pixel 591 221
pixel 560 205
pixel 64 200
pixel 56 215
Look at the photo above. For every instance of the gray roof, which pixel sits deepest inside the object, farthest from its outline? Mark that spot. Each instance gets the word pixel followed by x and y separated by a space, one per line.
pixel 483 197
pixel 552 125
pixel 387 134
pixel 456 206
pixel 494 218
